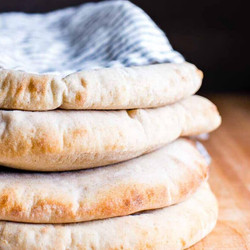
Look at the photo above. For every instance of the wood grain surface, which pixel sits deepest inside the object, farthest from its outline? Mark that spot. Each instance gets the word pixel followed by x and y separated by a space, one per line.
pixel 229 148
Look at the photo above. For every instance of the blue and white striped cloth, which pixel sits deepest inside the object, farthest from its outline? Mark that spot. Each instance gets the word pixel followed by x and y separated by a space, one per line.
pixel 105 34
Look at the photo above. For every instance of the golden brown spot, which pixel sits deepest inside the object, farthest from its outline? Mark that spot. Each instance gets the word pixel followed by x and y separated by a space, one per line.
pixel 122 201
pixel 3 201
pixel 80 98
pixel 44 229
pixel 20 89
pixel 37 85
pixel 38 142
pixel 112 147
pixel 44 144
pixel 8 204
pixel 16 210
pixel 83 82
pixel 6 81
pixel 148 246
pixel 76 135
pixel 183 242
pixel 127 202
pixel 56 209
pixel 136 197
pixel 150 194
pixel 79 133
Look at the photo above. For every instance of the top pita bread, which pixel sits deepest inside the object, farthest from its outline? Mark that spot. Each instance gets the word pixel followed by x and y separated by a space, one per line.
pixel 174 227
pixel 67 140
pixel 106 88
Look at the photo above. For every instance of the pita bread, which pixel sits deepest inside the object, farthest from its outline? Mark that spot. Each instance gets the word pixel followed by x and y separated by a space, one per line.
pixel 106 88
pixel 67 140
pixel 174 227
pixel 162 178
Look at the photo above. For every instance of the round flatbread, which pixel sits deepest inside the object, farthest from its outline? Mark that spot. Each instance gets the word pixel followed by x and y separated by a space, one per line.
pixel 162 178
pixel 174 227
pixel 106 88
pixel 68 140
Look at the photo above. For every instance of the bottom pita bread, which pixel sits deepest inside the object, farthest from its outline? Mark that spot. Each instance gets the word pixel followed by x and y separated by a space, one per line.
pixel 175 227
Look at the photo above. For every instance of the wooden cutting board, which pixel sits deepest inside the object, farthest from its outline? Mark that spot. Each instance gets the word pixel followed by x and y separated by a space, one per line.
pixel 229 148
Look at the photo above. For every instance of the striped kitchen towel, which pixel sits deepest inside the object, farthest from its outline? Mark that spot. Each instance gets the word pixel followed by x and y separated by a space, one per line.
pixel 104 34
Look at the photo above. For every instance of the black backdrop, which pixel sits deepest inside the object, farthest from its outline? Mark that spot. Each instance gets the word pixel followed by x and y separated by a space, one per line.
pixel 213 34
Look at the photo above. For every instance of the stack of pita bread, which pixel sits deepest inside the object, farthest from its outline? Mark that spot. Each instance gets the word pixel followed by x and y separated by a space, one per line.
pixel 98 159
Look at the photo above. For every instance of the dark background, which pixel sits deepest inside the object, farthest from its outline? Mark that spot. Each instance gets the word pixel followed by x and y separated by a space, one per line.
pixel 213 34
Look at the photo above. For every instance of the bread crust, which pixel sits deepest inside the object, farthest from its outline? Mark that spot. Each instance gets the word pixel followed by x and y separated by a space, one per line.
pixel 106 88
